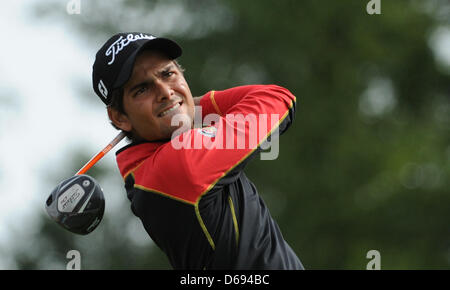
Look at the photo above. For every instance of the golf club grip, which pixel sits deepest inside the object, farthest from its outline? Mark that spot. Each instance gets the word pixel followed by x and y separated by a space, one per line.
pixel 100 154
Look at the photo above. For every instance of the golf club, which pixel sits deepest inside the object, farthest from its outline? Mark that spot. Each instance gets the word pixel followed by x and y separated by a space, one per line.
pixel 77 203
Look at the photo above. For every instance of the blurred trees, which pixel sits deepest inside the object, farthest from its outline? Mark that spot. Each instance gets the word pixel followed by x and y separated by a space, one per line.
pixel 366 164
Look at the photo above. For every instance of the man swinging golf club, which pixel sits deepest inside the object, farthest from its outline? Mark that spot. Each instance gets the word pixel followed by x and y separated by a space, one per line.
pixel 195 202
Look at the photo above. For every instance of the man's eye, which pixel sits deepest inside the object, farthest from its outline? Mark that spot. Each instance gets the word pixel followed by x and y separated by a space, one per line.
pixel 141 91
pixel 168 74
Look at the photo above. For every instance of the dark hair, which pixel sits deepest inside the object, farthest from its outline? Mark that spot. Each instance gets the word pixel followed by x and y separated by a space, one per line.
pixel 117 103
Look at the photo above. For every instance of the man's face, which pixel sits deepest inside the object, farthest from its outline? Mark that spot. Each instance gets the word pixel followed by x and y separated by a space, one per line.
pixel 156 91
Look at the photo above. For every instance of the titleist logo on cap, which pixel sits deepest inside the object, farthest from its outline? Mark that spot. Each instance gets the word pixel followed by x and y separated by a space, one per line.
pixel 121 42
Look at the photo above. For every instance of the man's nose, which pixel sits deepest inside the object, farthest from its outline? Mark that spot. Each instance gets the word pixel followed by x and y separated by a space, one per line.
pixel 165 91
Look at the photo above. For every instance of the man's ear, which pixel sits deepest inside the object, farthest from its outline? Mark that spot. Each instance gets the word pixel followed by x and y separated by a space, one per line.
pixel 119 119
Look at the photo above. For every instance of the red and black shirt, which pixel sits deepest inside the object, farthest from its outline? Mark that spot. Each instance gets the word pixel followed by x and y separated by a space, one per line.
pixel 192 194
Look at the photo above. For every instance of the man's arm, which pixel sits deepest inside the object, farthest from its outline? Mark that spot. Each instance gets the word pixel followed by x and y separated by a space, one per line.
pixel 255 100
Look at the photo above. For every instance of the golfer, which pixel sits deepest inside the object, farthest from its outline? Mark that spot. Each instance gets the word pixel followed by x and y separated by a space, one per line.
pixel 186 181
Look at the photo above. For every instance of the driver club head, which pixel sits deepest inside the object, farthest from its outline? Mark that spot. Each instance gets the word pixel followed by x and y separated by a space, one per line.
pixel 77 204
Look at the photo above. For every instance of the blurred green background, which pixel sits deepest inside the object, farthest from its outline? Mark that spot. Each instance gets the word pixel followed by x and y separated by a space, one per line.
pixel 366 164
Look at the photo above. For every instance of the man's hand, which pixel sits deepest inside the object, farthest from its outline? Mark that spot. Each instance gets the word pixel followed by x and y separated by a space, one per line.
pixel 198 115
pixel 197 100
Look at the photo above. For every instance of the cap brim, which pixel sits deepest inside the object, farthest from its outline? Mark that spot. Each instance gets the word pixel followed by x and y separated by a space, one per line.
pixel 164 45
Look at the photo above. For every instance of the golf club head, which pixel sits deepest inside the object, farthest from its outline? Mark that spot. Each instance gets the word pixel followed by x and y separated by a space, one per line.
pixel 77 204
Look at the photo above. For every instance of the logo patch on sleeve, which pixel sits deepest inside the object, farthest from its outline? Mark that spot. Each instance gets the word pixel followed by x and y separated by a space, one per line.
pixel 208 131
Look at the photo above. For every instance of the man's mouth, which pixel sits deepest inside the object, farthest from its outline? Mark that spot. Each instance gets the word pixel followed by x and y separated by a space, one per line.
pixel 170 109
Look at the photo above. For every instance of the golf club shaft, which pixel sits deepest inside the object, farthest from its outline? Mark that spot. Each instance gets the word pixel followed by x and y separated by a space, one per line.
pixel 100 154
